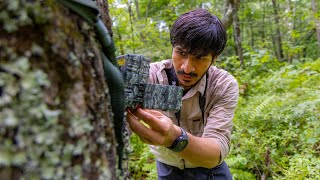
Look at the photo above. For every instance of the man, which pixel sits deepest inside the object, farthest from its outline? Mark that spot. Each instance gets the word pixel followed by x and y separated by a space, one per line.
pixel 192 143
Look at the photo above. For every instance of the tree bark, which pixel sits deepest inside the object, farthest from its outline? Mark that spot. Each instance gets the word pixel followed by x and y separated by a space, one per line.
pixel 252 35
pixel 147 8
pixel 56 121
pixel 131 17
pixel 237 32
pixel 279 51
pixel 228 14
pixel 136 3
pixel 231 16
pixel 316 20
pixel 263 27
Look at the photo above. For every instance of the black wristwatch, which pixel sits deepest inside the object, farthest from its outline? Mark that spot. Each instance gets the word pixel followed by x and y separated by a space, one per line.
pixel 181 142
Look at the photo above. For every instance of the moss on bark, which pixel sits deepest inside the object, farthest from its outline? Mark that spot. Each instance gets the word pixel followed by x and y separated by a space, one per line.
pixel 55 120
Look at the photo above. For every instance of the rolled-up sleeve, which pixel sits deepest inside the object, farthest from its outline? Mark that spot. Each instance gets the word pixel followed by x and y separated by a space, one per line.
pixel 224 98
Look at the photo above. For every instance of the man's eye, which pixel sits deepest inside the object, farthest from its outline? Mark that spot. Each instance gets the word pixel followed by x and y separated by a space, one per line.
pixel 201 57
pixel 182 53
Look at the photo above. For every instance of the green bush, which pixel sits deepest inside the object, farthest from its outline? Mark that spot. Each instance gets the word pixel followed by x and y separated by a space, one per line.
pixel 276 128
pixel 142 164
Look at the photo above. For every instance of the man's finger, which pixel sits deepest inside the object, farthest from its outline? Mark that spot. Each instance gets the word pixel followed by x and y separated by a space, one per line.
pixel 149 118
pixel 154 112
pixel 140 129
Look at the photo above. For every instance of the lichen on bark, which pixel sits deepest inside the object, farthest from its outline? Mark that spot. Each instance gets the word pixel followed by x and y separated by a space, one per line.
pixel 55 119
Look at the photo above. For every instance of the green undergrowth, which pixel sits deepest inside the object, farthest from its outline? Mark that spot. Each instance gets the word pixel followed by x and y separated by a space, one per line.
pixel 142 163
pixel 276 130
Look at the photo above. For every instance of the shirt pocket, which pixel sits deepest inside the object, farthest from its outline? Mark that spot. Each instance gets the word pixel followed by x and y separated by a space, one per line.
pixel 195 124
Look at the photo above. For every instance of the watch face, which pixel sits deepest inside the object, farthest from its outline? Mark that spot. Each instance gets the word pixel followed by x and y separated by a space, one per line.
pixel 182 144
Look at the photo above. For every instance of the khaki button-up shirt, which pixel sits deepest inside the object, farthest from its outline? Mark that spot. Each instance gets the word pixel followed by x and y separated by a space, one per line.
pixel 221 100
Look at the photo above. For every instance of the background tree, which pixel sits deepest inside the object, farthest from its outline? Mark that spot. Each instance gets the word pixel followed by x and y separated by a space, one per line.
pixel 55 118
pixel 231 17
pixel 277 36
pixel 316 19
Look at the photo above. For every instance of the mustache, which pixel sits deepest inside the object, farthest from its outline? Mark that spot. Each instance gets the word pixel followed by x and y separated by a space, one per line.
pixel 192 74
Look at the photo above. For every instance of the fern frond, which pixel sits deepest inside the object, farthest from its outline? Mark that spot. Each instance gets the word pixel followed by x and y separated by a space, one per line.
pixel 149 167
pixel 257 111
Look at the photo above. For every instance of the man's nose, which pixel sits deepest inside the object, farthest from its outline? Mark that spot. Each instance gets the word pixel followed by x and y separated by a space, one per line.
pixel 188 65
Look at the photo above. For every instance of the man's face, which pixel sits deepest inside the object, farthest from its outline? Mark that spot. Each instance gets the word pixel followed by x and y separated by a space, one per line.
pixel 189 68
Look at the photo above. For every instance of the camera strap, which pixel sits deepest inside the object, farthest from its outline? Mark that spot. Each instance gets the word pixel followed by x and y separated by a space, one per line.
pixel 88 10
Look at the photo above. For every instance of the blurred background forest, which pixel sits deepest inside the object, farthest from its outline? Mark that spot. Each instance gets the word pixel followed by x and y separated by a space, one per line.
pixel 273 50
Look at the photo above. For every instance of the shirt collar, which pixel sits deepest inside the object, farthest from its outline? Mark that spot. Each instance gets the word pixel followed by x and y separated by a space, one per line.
pixel 199 87
pixel 161 75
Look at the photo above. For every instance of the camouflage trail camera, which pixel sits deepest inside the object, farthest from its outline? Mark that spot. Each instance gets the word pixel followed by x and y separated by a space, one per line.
pixel 138 93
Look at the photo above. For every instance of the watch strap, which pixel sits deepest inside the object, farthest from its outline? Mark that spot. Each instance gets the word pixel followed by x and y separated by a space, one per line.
pixel 180 143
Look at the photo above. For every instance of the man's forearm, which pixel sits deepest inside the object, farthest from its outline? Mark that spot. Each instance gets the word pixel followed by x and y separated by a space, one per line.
pixel 204 152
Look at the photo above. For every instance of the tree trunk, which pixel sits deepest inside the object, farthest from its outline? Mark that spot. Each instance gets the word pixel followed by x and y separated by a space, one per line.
pixel 317 21
pixel 227 17
pixel 136 3
pixel 278 41
pixel 55 117
pixel 120 39
pixel 131 17
pixel 290 23
pixel 252 35
pixel 262 29
pixel 237 32
pixel 231 16
pixel 147 8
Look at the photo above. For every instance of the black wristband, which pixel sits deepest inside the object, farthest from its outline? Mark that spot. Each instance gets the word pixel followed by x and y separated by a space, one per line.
pixel 180 143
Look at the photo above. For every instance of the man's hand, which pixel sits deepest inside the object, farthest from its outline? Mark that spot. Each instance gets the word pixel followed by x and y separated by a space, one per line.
pixel 161 130
pixel 204 152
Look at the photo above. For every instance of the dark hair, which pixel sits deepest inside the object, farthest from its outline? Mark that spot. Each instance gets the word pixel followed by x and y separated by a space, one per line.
pixel 199 32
